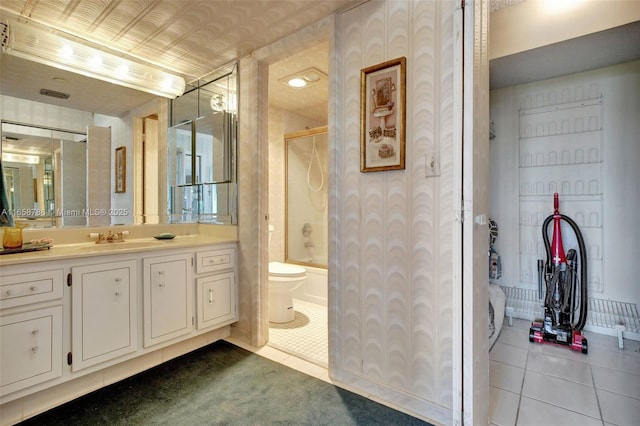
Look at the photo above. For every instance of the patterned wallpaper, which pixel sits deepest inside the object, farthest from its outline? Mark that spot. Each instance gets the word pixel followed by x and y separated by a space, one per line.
pixel 391 232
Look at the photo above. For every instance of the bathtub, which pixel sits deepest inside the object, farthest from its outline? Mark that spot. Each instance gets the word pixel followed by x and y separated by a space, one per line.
pixel 315 288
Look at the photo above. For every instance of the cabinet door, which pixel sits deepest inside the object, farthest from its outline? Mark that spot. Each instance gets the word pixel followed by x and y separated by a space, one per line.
pixel 31 348
pixel 104 314
pixel 216 300
pixel 168 298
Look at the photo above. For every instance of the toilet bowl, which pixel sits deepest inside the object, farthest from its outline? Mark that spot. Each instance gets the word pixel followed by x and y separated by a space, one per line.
pixel 283 279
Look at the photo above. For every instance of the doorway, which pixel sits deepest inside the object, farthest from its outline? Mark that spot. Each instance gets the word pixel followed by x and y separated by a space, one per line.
pixel 295 110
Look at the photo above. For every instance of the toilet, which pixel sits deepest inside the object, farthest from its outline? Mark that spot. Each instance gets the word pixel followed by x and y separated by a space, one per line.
pixel 283 279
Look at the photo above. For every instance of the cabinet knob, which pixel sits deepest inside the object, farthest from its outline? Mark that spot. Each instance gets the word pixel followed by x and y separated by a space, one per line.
pixel 34 349
pixel 8 292
pixel 35 332
pixel 33 288
pixel 160 272
pixel 210 296
pixel 161 285
pixel 118 279
pixel 117 293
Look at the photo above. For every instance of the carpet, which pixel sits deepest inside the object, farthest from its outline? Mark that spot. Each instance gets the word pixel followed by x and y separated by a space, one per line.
pixel 222 384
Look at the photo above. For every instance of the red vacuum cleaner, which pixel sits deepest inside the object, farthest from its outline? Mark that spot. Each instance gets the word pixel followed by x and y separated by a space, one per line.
pixel 565 276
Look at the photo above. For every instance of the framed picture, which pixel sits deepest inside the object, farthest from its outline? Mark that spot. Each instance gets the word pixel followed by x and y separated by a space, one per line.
pixel 382 116
pixel 121 169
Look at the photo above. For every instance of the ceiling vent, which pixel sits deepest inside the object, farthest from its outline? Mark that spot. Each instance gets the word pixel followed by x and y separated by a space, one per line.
pixel 54 94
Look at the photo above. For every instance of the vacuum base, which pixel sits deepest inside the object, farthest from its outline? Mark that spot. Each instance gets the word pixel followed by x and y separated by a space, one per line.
pixel 558 335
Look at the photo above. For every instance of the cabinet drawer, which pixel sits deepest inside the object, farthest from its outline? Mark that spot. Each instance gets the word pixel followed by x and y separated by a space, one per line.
pixel 215 260
pixel 31 346
pixel 31 287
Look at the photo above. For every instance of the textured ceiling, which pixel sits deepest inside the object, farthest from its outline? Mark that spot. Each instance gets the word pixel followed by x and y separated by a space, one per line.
pixel 194 38
pixel 311 101
pixel 188 37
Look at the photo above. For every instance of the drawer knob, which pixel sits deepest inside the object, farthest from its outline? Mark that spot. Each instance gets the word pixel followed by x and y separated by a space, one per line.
pixel 118 279
pixel 161 285
pixel 117 293
pixel 8 292
pixel 210 296
pixel 34 349
pixel 33 288
pixel 160 272
pixel 35 332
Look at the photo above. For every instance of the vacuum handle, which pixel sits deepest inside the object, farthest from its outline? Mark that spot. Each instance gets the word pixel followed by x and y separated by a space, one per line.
pixel 540 274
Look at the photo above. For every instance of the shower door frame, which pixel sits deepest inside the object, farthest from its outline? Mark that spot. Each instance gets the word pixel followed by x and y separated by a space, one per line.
pixel 288 137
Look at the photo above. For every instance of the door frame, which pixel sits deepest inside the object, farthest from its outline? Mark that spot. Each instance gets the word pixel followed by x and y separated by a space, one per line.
pixel 471 171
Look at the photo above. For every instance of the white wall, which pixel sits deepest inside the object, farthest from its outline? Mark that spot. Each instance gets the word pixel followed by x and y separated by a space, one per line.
pixel 37 113
pixel 619 87
pixel 390 248
pixel 535 23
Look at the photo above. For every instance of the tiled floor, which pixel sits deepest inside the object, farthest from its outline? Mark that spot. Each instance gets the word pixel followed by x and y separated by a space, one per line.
pixel 306 336
pixel 531 384
pixel 547 385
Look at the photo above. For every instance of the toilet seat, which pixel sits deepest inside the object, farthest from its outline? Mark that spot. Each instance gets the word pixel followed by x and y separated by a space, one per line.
pixel 278 269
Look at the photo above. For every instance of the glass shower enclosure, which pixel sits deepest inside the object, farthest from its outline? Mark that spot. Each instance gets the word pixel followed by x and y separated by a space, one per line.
pixel 306 195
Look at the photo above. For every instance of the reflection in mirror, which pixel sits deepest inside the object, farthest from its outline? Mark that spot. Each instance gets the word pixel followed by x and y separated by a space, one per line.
pixel 306 195
pixel 42 189
pixel 201 169
pixel 202 150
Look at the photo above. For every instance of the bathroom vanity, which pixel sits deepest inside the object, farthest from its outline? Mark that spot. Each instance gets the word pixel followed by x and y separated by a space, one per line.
pixel 80 316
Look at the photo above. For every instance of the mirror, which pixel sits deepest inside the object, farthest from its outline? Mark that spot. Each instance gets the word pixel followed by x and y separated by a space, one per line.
pixel 41 168
pixel 200 169
pixel 202 152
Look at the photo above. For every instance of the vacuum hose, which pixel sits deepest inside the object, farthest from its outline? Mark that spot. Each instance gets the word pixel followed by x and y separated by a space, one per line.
pixel 583 265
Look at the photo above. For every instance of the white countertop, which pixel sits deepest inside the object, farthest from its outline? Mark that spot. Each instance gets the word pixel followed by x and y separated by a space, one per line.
pixel 89 249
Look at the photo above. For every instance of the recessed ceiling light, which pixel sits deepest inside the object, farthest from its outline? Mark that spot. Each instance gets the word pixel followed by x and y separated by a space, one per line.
pixel 304 78
pixel 297 82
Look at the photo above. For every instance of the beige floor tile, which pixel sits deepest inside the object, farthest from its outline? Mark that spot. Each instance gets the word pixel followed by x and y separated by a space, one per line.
pixel 538 413
pixel 503 407
pixel 565 368
pixel 619 410
pixel 562 393
pixel 506 377
pixel 616 381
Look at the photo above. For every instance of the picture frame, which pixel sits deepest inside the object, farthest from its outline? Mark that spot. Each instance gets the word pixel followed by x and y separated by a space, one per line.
pixel 121 169
pixel 382 116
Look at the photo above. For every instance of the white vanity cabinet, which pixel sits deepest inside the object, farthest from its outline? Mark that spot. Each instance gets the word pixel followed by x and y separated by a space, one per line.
pixel 216 288
pixel 30 327
pixel 97 315
pixel 104 319
pixel 168 297
pixel 31 347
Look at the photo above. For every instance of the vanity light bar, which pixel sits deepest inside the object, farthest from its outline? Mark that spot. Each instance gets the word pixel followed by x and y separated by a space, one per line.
pixel 30 42
pixel 10 157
